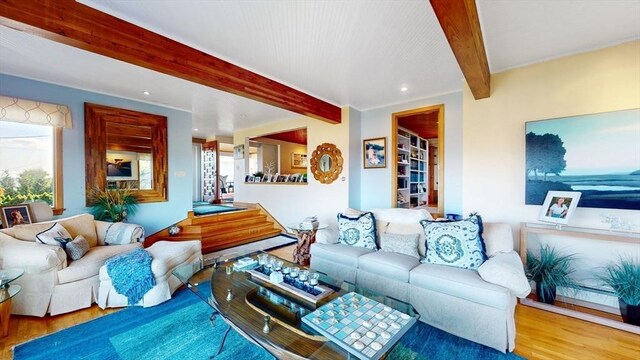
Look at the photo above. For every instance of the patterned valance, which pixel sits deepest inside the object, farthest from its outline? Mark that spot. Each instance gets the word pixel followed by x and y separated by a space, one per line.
pixel 34 112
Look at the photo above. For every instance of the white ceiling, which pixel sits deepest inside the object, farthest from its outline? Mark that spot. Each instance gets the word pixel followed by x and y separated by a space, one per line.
pixel 355 52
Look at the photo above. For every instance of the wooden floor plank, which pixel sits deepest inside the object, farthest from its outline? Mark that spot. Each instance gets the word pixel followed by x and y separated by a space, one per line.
pixel 540 334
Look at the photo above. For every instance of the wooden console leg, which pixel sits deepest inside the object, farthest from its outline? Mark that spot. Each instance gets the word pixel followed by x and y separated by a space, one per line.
pixel 5 313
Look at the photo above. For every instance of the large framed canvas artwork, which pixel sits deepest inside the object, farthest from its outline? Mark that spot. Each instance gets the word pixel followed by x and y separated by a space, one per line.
pixel 597 155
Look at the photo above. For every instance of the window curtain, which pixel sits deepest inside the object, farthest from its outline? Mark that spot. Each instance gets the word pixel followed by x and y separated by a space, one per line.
pixel 34 112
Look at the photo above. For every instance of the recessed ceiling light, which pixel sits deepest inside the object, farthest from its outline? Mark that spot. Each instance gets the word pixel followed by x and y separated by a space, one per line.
pixel 195 129
pixel 404 88
pixel 146 92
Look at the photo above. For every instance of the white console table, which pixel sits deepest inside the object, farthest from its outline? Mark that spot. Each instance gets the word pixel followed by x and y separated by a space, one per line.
pixel 585 233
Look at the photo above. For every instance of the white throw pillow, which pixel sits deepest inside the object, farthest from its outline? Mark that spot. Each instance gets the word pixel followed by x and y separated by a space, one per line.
pixel 498 238
pixel 56 235
pixel 506 270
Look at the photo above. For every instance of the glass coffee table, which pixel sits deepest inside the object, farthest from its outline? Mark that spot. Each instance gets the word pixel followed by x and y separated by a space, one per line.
pixel 271 317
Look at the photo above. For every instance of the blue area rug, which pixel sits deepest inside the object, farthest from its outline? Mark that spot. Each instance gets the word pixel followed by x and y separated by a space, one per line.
pixel 204 208
pixel 180 329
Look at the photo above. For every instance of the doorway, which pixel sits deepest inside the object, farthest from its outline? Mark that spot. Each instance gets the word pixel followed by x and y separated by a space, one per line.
pixel 418 149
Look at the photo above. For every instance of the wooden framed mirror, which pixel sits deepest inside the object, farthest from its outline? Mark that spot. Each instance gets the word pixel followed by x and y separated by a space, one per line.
pixel 126 149
pixel 326 163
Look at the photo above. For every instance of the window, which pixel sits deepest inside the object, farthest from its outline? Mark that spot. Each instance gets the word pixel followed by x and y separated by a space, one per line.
pixel 30 164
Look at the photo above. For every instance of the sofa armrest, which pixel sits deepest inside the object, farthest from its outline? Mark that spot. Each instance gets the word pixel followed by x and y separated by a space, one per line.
pixel 506 270
pixel 118 233
pixel 34 258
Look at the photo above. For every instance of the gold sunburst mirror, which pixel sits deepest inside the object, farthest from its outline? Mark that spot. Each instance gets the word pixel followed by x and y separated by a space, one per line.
pixel 326 163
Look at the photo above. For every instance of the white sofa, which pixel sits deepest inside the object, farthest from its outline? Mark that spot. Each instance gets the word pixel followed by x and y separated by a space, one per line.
pixel 51 283
pixel 459 301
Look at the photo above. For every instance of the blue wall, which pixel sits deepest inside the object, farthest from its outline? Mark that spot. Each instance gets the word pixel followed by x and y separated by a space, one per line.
pixel 153 216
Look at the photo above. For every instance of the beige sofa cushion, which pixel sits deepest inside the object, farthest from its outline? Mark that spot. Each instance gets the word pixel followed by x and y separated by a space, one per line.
pixel 388 265
pixel 339 253
pixel 462 283
pixel 169 254
pixel 76 225
pixel 89 265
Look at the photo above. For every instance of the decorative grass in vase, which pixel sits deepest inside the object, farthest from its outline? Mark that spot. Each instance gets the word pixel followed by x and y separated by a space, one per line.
pixel 624 278
pixel 112 205
pixel 550 270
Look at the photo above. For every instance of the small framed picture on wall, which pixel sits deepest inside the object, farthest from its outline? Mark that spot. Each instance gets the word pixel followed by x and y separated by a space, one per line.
pixel 559 206
pixel 238 152
pixel 374 151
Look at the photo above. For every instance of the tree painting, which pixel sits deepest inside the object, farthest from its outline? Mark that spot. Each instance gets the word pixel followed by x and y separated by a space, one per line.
pixel 598 155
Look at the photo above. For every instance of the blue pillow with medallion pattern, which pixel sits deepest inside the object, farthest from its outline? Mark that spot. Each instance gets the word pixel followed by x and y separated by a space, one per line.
pixel 455 243
pixel 358 231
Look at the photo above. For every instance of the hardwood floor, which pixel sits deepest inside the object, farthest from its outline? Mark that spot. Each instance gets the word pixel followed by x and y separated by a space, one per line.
pixel 540 334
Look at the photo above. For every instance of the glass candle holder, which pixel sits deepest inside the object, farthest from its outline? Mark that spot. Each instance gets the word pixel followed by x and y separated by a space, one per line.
pixel 303 275
pixel 313 279
pixel 294 272
pixel 262 259
pixel 278 264
pixel 229 269
pixel 286 270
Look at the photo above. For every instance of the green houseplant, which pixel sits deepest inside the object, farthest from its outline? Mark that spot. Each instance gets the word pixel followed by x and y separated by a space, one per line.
pixel 549 270
pixel 624 278
pixel 112 205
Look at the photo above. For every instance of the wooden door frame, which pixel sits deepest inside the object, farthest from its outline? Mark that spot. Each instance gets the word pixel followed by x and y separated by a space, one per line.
pixel 394 145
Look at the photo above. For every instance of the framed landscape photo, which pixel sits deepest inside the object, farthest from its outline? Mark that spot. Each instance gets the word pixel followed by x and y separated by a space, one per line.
pixel 298 160
pixel 15 215
pixel 374 153
pixel 558 207
pixel 595 154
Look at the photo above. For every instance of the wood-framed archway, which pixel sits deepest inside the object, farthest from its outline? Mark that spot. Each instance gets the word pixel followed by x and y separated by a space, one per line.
pixel 436 111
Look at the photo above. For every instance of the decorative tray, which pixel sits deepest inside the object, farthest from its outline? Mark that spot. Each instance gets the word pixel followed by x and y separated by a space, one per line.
pixel 292 286
pixel 362 326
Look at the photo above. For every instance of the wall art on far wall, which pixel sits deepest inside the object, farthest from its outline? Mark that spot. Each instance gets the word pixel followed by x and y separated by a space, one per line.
pixel 375 153
pixel 298 160
pixel 238 152
pixel 597 154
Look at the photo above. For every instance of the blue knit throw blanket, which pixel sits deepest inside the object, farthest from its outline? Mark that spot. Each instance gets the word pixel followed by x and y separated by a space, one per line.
pixel 131 274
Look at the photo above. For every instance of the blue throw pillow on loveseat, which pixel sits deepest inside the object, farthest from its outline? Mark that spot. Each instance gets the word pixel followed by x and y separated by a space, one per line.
pixel 358 230
pixel 455 243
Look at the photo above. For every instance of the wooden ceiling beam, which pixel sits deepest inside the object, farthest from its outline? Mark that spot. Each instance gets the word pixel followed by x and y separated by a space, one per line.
pixel 460 23
pixel 75 24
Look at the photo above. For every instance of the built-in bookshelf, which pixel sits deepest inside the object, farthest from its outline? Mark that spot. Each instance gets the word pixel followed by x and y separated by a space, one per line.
pixel 412 169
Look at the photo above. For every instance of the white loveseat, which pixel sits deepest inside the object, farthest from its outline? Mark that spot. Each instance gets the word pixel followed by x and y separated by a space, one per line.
pixel 475 305
pixel 51 283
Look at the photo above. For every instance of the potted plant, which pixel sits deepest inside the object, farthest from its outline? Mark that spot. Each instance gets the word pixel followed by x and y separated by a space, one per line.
pixel 112 204
pixel 549 270
pixel 624 278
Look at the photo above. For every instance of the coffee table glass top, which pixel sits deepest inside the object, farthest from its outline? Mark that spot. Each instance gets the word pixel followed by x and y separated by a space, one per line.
pixel 8 275
pixel 9 292
pixel 243 302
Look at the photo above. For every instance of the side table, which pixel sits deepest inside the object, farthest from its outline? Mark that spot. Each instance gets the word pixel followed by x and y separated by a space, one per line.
pixel 306 237
pixel 7 292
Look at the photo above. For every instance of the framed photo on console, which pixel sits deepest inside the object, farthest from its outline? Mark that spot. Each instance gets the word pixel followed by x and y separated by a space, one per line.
pixel 559 206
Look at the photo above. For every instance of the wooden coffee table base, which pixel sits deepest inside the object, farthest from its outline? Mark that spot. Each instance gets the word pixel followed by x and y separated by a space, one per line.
pixel 5 314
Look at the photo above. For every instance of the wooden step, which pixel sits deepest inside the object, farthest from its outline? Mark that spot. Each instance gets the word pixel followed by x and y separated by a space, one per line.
pixel 227 216
pixel 233 224
pixel 211 245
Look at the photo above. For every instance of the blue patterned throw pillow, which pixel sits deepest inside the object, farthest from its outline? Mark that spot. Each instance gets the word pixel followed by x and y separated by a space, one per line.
pixel 457 243
pixel 358 230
